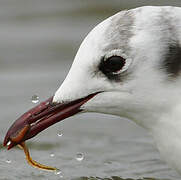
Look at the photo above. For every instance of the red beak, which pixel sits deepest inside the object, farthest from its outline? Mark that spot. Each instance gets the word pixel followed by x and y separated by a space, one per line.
pixel 41 117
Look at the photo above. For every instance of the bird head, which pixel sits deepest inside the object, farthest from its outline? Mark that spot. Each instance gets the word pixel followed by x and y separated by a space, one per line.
pixel 126 66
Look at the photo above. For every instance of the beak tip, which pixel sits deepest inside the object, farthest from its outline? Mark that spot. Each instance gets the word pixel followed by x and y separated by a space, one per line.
pixel 8 148
pixel 9 145
pixel 5 141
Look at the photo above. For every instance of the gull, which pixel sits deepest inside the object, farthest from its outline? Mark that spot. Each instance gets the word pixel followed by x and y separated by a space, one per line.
pixel 129 65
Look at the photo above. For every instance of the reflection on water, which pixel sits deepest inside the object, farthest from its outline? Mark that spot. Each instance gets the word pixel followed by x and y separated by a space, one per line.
pixel 113 178
pixel 38 40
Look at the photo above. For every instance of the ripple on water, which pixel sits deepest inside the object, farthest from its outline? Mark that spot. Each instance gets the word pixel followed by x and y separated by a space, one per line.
pixel 113 178
pixel 59 173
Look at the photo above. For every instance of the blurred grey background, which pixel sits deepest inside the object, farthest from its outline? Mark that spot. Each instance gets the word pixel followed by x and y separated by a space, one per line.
pixel 38 42
pixel 36 34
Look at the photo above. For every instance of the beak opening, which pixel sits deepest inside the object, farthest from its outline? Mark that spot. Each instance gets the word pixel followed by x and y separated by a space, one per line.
pixel 41 117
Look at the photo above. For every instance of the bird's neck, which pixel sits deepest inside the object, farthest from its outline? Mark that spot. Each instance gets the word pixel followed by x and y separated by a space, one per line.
pixel 167 136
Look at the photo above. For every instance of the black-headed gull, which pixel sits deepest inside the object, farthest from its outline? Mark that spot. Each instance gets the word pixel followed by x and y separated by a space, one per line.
pixel 129 65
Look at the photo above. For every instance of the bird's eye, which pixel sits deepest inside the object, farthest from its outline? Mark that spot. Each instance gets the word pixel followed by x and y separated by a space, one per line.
pixel 112 65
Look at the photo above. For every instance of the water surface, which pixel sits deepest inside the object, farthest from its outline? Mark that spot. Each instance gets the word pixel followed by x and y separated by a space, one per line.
pixel 38 40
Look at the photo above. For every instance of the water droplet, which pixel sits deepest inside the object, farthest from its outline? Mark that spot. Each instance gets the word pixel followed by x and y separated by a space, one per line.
pixel 79 156
pixel 52 155
pixel 35 99
pixel 59 134
pixel 58 172
pixel 9 142
pixel 8 161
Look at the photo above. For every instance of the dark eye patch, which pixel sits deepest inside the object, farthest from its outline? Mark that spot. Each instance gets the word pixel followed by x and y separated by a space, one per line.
pixel 111 66
pixel 172 60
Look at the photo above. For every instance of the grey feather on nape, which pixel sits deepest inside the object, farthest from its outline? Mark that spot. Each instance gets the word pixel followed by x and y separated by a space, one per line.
pixel 172 60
